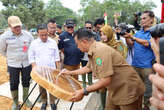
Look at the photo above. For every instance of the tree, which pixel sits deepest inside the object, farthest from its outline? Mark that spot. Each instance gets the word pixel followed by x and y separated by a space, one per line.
pixel 93 9
pixel 31 12
pixel 3 22
pixel 55 9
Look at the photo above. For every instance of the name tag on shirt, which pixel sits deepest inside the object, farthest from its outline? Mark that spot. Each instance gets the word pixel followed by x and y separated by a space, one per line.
pixel 66 39
pixel 11 38
pixel 25 47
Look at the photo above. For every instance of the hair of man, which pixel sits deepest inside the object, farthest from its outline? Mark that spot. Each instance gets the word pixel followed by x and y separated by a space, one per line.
pixel 83 33
pixel 41 27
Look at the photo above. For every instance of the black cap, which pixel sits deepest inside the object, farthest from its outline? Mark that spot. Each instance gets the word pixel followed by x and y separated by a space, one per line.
pixel 70 22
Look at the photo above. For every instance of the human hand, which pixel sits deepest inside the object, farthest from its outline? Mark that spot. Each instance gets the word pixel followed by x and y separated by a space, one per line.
pixel 65 71
pixel 116 15
pixel 127 35
pixel 117 30
pixel 77 95
pixel 159 104
pixel 158 88
pixel 158 79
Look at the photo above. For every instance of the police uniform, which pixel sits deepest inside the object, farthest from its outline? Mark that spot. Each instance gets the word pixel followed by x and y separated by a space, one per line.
pixel 72 55
pixel 126 88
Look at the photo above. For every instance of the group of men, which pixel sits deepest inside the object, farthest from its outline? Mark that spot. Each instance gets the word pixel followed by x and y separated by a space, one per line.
pixel 124 83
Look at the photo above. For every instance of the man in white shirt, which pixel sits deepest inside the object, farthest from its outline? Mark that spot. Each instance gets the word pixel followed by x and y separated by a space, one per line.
pixel 44 52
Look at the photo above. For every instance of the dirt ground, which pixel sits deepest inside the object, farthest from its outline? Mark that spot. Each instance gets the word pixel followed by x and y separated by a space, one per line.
pixel 3 70
pixel 5 102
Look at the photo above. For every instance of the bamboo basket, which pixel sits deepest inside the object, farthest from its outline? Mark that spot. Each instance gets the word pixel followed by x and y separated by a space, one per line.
pixel 3 65
pixel 4 76
pixel 62 87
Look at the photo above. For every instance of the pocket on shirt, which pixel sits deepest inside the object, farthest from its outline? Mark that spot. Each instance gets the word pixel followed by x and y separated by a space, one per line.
pixel 11 42
pixel 51 50
pixel 26 43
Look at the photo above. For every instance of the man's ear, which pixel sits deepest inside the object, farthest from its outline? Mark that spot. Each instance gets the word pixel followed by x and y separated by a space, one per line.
pixel 152 21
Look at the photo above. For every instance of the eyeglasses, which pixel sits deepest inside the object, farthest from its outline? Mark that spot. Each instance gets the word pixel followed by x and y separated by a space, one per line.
pixel 88 27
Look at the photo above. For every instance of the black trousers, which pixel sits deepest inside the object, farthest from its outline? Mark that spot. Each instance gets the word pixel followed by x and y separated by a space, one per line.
pixel 15 74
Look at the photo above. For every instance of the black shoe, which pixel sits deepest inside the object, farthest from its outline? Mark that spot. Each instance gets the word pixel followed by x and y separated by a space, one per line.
pixel 43 107
pixel 53 107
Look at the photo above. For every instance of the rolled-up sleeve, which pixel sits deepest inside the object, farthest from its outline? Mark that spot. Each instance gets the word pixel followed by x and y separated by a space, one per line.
pixel 3 46
pixel 57 57
pixel 31 54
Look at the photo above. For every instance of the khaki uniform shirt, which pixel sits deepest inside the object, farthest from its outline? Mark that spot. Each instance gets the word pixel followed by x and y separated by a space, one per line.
pixel 54 37
pixel 125 86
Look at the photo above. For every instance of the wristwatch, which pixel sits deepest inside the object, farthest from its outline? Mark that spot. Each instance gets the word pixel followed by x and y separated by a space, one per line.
pixel 85 91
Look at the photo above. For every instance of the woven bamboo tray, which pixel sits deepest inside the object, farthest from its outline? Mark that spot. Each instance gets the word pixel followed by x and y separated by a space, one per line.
pixel 63 88
pixel 4 76
pixel 3 65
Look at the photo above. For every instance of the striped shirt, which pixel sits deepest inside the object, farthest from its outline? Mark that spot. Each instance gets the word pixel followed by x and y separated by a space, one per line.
pixel 15 48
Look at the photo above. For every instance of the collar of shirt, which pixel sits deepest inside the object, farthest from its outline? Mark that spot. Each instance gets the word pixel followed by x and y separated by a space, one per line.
pixel 70 33
pixel 142 30
pixel 17 35
pixel 10 33
pixel 52 36
pixel 40 41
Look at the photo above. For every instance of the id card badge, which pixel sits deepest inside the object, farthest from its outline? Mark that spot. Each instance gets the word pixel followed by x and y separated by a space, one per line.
pixel 25 48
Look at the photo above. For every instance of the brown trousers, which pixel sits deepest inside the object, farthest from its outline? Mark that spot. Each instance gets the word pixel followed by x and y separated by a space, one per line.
pixel 44 96
pixel 71 68
pixel 144 74
pixel 137 105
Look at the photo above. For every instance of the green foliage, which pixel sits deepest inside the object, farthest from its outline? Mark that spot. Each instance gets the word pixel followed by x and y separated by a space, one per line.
pixel 34 12
pixel 56 10
pixel 93 9
pixel 31 12
pixel 3 21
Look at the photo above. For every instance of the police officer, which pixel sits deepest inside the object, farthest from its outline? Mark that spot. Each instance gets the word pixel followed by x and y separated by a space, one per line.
pixel 125 88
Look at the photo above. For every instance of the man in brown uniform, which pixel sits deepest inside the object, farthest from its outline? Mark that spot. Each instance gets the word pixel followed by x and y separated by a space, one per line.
pixel 125 88
pixel 52 30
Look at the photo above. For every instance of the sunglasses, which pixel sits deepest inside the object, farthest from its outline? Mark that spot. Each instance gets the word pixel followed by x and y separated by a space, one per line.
pixel 69 27
pixel 88 27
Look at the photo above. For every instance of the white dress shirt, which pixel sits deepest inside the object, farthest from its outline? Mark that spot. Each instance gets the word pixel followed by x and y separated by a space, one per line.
pixel 44 53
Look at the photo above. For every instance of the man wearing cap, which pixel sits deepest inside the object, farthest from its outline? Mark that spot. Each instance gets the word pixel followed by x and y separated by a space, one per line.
pixel 14 45
pixel 72 54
